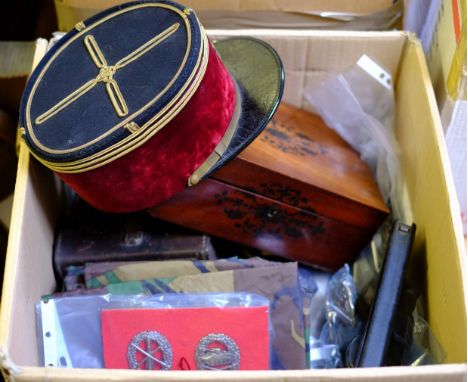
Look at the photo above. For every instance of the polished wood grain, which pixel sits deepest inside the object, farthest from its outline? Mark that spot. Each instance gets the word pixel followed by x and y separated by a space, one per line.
pixel 232 213
pixel 299 151
pixel 298 191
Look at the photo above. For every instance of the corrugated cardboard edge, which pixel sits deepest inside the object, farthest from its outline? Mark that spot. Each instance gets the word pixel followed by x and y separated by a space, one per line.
pixel 69 12
pixel 358 7
pixel 301 33
pixel 452 373
pixel 17 58
pixel 449 300
pixel 8 367
pixel 449 184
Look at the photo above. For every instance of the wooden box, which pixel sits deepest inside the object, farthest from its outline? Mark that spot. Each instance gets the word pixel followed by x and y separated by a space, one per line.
pixel 298 191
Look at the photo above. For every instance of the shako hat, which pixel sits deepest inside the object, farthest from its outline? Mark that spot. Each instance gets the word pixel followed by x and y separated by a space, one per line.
pixel 135 104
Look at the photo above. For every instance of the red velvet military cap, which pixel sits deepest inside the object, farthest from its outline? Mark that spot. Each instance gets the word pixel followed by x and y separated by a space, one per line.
pixel 135 104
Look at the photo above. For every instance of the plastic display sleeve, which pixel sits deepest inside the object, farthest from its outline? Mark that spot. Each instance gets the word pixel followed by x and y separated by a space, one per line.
pixel 120 331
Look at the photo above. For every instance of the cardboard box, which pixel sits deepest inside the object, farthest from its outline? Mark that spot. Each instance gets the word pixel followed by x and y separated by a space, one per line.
pixel 427 197
pixel 14 69
pixel 441 25
pixel 312 14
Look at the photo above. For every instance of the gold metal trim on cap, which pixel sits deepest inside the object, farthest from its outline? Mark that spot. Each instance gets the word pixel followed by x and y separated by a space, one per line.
pixel 132 127
pixel 221 147
pixel 79 26
pixel 106 74
pixel 130 117
pixel 146 131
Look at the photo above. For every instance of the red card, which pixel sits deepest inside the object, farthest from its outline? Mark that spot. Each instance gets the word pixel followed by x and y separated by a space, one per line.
pixel 171 338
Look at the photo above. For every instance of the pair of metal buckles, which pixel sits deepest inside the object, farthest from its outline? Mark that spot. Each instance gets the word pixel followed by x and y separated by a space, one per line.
pixel 153 351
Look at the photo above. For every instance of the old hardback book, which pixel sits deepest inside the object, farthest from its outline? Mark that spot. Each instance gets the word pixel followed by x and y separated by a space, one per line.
pixel 382 338
pixel 87 235
pixel 298 191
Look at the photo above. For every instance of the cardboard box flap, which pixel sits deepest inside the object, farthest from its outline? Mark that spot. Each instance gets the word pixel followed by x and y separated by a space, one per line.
pixel 362 14
pixel 17 58
pixel 432 203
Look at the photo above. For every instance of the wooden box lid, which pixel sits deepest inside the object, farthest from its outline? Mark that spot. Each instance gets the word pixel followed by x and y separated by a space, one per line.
pixel 300 161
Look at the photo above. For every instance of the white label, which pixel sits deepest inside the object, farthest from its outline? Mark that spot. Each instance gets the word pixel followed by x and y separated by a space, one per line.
pixel 375 71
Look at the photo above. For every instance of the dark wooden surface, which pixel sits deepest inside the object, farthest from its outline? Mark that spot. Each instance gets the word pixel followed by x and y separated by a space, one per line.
pixel 298 151
pixel 298 191
pixel 226 211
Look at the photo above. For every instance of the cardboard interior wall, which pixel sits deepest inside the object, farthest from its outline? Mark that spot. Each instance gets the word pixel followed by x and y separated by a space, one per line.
pixel 69 12
pixel 427 195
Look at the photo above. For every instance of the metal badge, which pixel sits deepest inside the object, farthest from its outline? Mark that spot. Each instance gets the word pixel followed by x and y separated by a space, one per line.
pixel 217 351
pixel 149 351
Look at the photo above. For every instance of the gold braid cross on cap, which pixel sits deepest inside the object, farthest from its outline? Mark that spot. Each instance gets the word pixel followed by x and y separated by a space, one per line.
pixel 106 74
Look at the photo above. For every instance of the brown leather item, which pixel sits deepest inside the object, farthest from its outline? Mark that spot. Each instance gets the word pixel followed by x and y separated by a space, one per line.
pixel 298 191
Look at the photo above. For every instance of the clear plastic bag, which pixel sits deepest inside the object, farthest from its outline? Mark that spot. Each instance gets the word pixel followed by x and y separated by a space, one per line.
pixel 425 348
pixel 364 118
pixel 278 282
pixel 367 267
pixel 341 325
pixel 70 329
